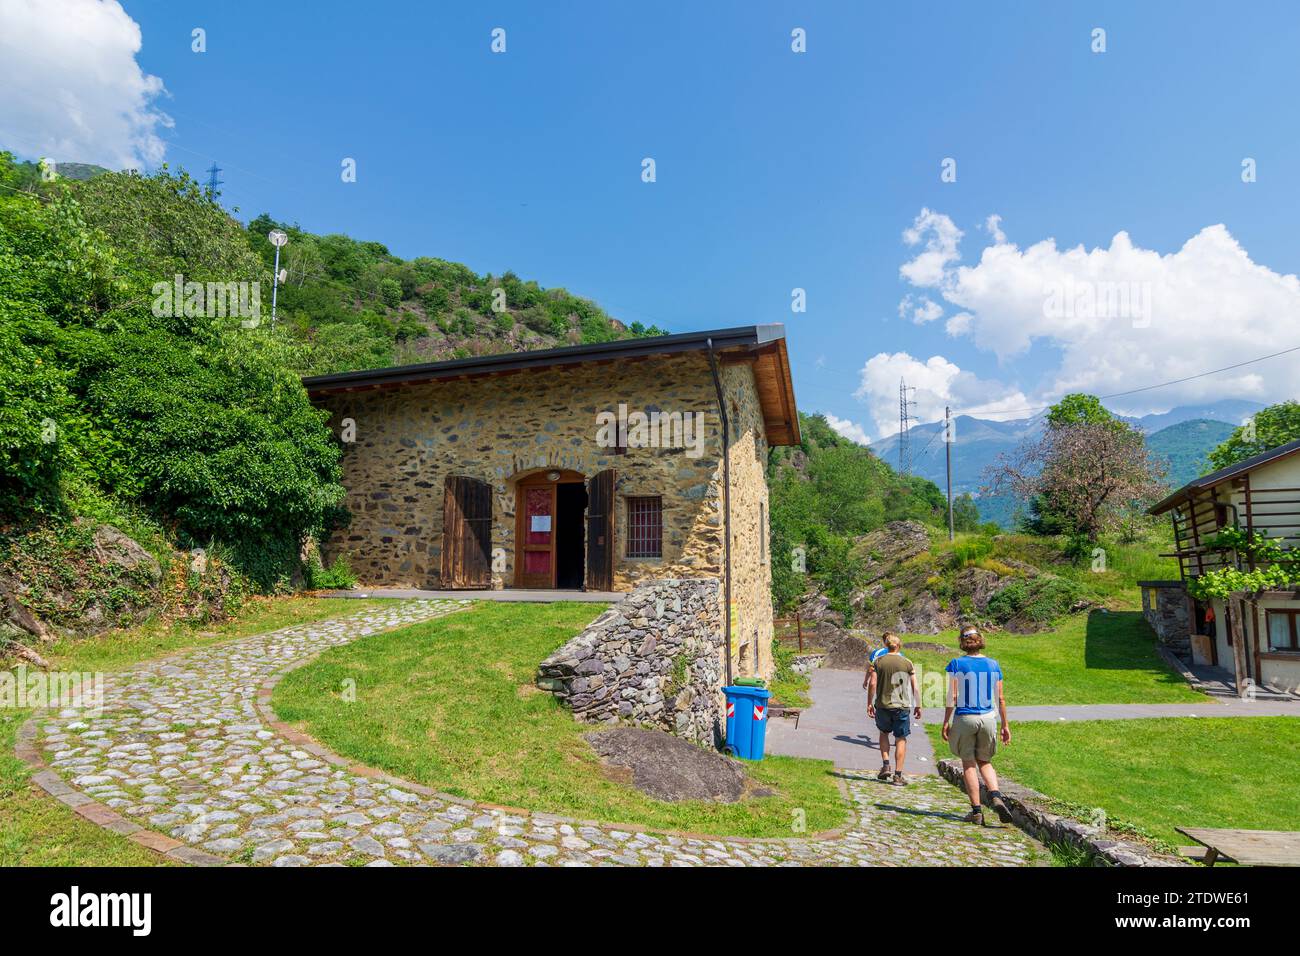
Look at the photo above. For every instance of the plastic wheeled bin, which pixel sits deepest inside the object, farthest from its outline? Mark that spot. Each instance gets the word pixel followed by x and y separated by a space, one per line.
pixel 746 721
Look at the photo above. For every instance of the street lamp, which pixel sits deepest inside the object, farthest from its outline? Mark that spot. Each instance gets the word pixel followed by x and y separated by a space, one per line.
pixel 277 238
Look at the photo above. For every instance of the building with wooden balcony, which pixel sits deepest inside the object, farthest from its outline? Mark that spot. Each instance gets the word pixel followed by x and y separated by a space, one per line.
pixel 1255 636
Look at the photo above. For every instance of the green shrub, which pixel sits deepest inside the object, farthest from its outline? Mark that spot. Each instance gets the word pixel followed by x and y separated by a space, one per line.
pixel 1038 600
pixel 970 551
pixel 199 419
pixel 337 577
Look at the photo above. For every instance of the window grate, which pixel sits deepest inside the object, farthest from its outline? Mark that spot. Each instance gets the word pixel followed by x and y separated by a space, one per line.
pixel 645 527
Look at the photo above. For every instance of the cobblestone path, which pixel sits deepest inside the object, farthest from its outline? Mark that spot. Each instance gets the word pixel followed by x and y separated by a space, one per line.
pixel 183 759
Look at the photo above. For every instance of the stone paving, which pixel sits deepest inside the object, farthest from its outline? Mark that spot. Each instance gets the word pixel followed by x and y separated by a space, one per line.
pixel 186 758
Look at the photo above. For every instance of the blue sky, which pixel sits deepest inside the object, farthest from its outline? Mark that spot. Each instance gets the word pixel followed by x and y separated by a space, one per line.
pixel 775 170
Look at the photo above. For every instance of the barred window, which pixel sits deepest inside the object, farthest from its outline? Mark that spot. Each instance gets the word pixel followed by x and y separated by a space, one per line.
pixel 645 527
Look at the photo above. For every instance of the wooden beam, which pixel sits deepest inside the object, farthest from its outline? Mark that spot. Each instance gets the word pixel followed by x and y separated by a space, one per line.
pixel 1236 608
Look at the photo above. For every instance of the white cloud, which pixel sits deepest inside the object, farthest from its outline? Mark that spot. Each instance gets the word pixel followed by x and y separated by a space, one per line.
pixel 959 324
pixel 993 226
pixel 848 429
pixel 941 237
pixel 919 309
pixel 938 382
pixel 72 90
pixel 1121 316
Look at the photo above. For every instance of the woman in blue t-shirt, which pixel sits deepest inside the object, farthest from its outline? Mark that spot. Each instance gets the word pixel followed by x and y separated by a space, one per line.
pixel 974 686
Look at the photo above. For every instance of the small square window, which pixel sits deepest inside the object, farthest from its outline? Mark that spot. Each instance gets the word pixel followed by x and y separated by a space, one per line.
pixel 645 527
pixel 1282 630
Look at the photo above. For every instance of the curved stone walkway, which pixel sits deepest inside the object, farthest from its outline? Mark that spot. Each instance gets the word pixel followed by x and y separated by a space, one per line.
pixel 187 759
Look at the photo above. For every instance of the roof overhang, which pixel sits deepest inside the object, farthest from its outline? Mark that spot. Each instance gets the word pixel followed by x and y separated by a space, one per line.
pixel 1215 478
pixel 761 345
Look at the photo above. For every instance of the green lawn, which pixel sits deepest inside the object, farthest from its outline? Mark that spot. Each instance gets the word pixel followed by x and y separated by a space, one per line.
pixel 36 829
pixel 1098 658
pixel 116 650
pixel 1158 774
pixel 451 704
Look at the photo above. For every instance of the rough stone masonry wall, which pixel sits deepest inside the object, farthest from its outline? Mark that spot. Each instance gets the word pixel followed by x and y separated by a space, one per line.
pixel 409 439
pixel 654 661
pixel 1166 610
pixel 751 570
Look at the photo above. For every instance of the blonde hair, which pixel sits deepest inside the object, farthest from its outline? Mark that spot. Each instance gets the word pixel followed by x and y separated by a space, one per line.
pixel 971 640
pixel 891 640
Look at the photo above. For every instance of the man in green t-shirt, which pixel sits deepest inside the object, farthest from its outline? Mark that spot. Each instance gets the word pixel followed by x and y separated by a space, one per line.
pixel 892 699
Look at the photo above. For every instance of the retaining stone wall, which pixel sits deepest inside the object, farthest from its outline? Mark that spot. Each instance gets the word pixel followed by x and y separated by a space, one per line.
pixel 1027 811
pixel 1165 609
pixel 654 660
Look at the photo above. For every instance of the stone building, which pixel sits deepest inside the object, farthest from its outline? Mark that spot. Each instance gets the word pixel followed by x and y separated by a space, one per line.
pixel 596 467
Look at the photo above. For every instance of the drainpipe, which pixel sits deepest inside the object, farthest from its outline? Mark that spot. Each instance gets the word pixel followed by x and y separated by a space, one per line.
pixel 726 501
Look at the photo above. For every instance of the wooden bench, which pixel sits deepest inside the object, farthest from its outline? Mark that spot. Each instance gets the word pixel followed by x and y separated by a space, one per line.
pixel 1247 847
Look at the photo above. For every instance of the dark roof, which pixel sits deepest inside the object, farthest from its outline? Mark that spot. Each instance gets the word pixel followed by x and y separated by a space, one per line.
pixel 1206 482
pixel 765 342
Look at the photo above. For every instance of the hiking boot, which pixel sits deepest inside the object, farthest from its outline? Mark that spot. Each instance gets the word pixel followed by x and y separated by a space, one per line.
pixel 1001 809
pixel 976 815
pixel 883 776
pixel 899 779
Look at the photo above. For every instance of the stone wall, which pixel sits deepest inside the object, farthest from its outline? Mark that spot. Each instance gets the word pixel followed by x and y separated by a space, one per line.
pixel 499 430
pixel 751 571
pixel 1166 607
pixel 1029 812
pixel 654 660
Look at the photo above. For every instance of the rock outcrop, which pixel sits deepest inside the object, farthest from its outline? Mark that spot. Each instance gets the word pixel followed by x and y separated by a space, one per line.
pixel 668 768
pixel 82 578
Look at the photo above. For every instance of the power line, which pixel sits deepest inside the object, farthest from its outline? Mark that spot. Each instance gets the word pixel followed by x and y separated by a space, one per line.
pixel 1131 391
pixel 1175 381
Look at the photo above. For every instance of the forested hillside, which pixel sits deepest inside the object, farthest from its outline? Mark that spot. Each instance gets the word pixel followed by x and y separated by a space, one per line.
pixel 830 490
pixel 1186 447
pixel 353 305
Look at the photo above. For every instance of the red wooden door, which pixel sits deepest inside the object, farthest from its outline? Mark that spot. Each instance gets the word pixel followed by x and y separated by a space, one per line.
pixel 536 536
pixel 600 531
pixel 466 533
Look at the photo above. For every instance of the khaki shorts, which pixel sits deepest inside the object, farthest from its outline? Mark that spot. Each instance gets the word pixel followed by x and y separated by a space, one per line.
pixel 973 736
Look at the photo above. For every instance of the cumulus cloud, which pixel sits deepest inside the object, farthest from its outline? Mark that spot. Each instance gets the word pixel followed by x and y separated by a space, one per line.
pixel 848 429
pixel 993 226
pixel 1120 316
pixel 938 382
pixel 919 309
pixel 72 89
pixel 941 238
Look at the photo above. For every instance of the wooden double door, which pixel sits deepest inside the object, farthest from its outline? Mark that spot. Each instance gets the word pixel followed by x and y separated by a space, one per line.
pixel 564 529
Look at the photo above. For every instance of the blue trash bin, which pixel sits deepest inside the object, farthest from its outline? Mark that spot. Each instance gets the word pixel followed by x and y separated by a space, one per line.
pixel 746 721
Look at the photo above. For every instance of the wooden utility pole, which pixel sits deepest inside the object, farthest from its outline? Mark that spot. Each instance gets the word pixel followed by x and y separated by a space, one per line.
pixel 947 446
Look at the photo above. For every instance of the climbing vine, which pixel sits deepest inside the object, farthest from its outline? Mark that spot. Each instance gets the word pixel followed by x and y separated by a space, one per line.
pixel 1277 567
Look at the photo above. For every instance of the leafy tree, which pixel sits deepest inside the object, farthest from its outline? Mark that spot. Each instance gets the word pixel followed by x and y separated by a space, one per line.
pixel 1079 408
pixel 1087 474
pixel 199 419
pixel 1273 426
pixel 965 513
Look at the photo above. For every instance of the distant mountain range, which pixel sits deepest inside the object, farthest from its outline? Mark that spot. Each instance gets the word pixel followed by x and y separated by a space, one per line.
pixel 1183 436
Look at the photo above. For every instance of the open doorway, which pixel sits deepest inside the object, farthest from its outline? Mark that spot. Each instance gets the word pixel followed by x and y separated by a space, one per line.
pixel 570 546
pixel 551 531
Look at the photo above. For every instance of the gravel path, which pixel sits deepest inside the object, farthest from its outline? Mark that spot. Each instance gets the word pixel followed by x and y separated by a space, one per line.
pixel 187 759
